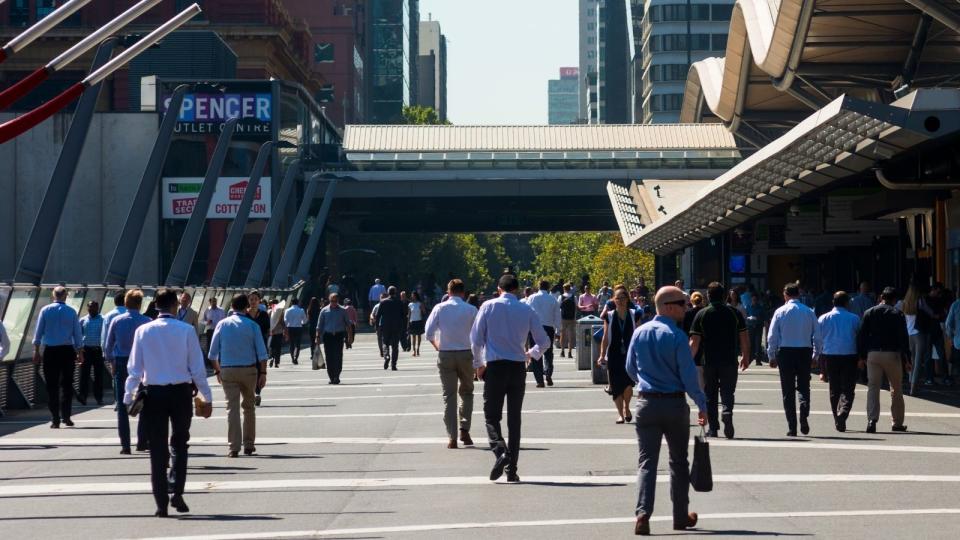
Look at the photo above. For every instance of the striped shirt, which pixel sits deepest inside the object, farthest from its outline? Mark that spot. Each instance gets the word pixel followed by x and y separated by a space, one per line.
pixel 91 328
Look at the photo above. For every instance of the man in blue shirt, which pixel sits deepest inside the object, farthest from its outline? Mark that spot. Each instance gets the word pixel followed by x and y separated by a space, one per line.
pixel 333 331
pixel 58 330
pixel 660 361
pixel 118 309
pixel 91 326
pixel 838 329
pixel 239 360
pixel 793 343
pixel 117 348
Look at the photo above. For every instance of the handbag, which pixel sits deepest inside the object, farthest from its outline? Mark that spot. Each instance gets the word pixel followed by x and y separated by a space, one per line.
pixel 319 362
pixel 701 473
pixel 135 406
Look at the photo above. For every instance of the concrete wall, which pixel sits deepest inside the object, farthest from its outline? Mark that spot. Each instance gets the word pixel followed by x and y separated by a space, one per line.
pixel 117 148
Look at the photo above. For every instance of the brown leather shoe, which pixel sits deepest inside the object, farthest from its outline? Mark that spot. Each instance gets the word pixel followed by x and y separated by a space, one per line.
pixel 691 522
pixel 642 527
pixel 465 438
pixel 452 444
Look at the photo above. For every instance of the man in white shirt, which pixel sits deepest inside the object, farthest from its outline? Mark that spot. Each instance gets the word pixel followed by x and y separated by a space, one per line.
pixel 548 309
pixel 498 340
pixel 166 359
pixel 295 318
pixel 448 329
pixel 276 332
pixel 211 316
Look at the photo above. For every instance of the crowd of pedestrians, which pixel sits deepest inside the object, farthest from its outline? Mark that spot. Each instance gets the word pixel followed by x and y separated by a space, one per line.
pixel 659 350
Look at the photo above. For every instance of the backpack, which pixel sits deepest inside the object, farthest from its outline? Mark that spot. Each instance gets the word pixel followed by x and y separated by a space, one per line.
pixel 568 308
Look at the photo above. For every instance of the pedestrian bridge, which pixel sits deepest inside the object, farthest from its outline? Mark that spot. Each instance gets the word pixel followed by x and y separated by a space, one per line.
pixel 515 178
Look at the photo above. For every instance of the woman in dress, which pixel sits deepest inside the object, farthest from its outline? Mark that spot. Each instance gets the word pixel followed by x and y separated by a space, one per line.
pixel 617 330
pixel 313 316
pixel 417 322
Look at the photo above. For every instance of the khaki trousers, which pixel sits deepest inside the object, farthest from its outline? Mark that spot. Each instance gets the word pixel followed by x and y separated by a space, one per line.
pixel 239 387
pixel 878 365
pixel 456 367
pixel 568 334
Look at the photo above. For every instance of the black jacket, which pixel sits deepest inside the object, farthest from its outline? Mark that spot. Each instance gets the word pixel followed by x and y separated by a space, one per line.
pixel 391 316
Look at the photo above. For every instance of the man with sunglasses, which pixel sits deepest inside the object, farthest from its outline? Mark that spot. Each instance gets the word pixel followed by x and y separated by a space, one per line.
pixel 660 362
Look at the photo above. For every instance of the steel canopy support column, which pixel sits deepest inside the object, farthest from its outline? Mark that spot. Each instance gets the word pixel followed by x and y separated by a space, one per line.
pixel 36 253
pixel 221 276
pixel 281 278
pixel 119 268
pixel 938 11
pixel 269 238
pixel 310 250
pixel 191 236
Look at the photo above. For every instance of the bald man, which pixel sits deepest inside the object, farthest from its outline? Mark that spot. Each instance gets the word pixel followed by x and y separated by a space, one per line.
pixel 660 362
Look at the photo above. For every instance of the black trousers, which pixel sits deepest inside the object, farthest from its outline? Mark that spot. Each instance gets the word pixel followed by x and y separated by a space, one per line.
pixel 296 337
pixel 794 365
pixel 723 379
pixel 276 348
pixel 92 361
pixel 504 379
pixel 843 373
pixel 391 346
pixel 208 334
pixel 544 365
pixel 333 354
pixel 58 364
pixel 168 407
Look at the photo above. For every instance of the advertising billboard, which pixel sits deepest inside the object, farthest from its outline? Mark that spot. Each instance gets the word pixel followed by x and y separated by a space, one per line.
pixel 205 111
pixel 180 196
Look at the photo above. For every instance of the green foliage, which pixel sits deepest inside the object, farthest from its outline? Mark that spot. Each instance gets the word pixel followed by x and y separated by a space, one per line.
pixel 421 115
pixel 601 256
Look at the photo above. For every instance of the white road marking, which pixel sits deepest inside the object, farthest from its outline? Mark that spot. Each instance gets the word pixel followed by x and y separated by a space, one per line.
pixel 800 444
pixel 320 483
pixel 557 523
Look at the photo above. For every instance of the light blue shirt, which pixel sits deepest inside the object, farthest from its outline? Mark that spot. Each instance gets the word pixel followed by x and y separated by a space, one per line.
pixel 659 360
pixel 500 331
pixel 58 325
pixel 953 323
pixel 92 330
pixel 333 320
pixel 838 329
pixel 237 342
pixel 793 325
pixel 120 334
pixel 107 319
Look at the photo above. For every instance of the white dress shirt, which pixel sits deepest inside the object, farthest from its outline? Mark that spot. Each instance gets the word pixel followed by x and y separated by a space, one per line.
pixel 546 307
pixel 165 352
pixel 500 332
pixel 4 341
pixel 449 324
pixel 295 317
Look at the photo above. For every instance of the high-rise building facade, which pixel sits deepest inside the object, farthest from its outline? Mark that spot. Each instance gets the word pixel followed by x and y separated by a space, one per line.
pixel 673 35
pixel 564 97
pixel 587 88
pixel 605 55
pixel 393 46
pixel 338 29
pixel 432 70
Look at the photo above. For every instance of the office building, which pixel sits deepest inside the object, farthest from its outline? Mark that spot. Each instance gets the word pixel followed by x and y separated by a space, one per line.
pixel 588 59
pixel 564 97
pixel 393 45
pixel 674 34
pixel 432 70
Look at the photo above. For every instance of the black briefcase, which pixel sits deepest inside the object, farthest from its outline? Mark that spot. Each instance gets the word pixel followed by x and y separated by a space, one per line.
pixel 134 408
pixel 701 473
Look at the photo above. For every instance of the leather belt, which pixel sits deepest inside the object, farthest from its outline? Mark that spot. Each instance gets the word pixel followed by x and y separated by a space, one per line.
pixel 660 394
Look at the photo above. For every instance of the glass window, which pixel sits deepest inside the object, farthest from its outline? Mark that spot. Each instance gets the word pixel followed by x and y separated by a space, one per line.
pixel 591 40
pixel 719 42
pixel 19 13
pixel 323 52
pixel 591 12
pixel 722 12
pixel 326 94
pixel 591 26
pixel 700 42
pixel 700 12
pixel 17 318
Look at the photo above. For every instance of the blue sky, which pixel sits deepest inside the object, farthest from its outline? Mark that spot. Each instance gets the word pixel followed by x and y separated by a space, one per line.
pixel 501 54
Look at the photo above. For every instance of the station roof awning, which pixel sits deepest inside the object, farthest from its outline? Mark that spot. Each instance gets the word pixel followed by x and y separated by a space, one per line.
pixel 845 138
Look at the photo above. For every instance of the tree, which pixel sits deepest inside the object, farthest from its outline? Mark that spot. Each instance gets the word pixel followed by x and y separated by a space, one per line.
pixel 421 115
pixel 617 263
pixel 601 256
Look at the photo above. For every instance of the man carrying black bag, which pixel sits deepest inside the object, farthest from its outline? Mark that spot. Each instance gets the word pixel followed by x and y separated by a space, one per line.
pixel 659 361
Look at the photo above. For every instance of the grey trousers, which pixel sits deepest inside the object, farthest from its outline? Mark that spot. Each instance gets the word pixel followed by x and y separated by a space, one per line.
pixel 456 367
pixel 658 418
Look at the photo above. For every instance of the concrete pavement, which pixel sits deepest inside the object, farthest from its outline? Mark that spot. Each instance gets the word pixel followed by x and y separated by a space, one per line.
pixel 368 459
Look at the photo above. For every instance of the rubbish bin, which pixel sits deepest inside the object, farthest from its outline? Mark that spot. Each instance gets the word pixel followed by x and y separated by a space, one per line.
pixel 598 374
pixel 585 344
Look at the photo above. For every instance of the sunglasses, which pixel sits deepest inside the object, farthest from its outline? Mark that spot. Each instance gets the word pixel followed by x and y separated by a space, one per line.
pixel 677 303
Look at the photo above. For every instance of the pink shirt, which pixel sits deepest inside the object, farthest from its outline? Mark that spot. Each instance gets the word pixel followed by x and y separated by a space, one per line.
pixel 588 302
pixel 352 314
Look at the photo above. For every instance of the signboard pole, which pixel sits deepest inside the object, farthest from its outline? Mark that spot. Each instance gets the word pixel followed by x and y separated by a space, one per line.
pixel 269 238
pixel 281 278
pixel 191 235
pixel 119 268
pixel 221 276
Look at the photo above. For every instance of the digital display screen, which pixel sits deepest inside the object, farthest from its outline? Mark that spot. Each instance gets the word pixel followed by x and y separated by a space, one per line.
pixel 17 318
pixel 738 264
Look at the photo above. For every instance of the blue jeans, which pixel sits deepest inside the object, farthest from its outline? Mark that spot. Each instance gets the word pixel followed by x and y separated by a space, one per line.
pixel 123 419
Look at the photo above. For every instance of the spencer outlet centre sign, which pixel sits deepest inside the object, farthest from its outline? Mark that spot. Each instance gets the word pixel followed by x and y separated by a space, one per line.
pixel 180 197
pixel 206 113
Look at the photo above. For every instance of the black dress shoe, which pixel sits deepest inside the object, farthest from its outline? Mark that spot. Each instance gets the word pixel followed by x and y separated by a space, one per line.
pixel 498 466
pixel 233 454
pixel 792 433
pixel 804 426
pixel 125 451
pixel 68 422
pixel 712 433
pixel 513 478
pixel 161 513
pixel 177 503
pixel 540 385
pixel 898 428
pixel 54 425
pixel 841 424
pixel 728 429
pixel 82 401
pixel 142 448
pixel 386 364
pixel 465 438
pixel 256 400
pixel 642 526
pixel 249 451
pixel 689 523
pixel 394 368
pixel 549 381
pixel 871 427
